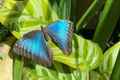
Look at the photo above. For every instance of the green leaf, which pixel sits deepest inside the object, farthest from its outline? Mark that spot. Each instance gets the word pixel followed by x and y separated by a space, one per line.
pixel 110 57
pixel 116 70
pixel 17 68
pixel 86 55
pixel 94 75
pixel 56 73
pixel 32 14
pixel 64 9
pixel 29 74
pixel 95 6
pixel 15 9
pixel 29 14
pixel 107 22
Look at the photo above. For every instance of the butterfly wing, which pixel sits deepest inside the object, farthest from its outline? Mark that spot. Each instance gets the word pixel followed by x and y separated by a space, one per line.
pixel 61 33
pixel 33 46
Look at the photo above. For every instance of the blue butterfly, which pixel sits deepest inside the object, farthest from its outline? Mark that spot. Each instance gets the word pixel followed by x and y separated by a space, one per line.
pixel 34 46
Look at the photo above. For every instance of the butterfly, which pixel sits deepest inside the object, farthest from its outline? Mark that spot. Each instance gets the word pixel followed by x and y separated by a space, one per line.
pixel 33 45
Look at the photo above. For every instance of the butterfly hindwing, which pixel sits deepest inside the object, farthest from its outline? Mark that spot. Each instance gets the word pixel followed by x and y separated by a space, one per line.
pixel 61 33
pixel 33 46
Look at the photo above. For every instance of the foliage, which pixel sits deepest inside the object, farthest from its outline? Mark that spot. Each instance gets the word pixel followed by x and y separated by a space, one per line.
pixel 116 70
pixel 94 7
pixel 107 22
pixel 110 57
pixel 86 62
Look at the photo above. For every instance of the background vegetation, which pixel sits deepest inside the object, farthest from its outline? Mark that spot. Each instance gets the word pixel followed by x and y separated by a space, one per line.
pixel 95 45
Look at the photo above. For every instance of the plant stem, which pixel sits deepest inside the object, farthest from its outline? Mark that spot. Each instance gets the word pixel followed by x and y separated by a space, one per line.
pixel 96 4
pixel 17 68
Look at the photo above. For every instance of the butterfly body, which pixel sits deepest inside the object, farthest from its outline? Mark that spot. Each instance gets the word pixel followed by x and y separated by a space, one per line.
pixel 33 45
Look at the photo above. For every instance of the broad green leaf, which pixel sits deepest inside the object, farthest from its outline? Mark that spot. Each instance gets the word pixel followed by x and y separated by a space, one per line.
pixel 56 73
pixel 51 74
pixel 29 74
pixel 86 55
pixel 27 14
pixel 110 57
pixel 6 9
pixel 94 75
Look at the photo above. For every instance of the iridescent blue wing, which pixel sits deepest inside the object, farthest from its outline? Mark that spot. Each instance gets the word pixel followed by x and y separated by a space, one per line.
pixel 33 46
pixel 61 33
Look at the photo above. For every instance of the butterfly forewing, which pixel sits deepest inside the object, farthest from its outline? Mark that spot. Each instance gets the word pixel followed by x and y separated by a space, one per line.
pixel 34 47
pixel 61 33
